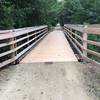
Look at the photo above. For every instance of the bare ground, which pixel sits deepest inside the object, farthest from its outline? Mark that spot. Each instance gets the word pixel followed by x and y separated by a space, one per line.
pixel 50 81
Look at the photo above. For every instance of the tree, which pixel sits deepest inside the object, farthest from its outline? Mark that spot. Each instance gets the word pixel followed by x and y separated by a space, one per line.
pixel 22 13
pixel 80 11
pixel 6 20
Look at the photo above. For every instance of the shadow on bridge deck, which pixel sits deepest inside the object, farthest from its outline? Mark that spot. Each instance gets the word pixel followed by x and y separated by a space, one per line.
pixel 54 48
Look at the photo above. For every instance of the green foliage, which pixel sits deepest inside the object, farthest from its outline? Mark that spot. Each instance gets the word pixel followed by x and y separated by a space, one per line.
pixel 93 47
pixel 21 13
pixel 80 11
pixel 6 20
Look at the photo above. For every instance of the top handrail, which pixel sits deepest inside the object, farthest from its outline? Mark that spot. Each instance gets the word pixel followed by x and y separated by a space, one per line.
pixel 90 29
pixel 6 34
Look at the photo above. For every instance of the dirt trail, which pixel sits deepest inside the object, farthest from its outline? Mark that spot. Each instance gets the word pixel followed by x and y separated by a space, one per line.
pixel 57 81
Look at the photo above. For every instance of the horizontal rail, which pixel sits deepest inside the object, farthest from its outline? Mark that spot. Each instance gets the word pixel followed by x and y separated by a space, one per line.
pixel 27 37
pixel 71 32
pixel 80 53
pixel 15 49
pixel 68 36
pixel 12 34
pixel 88 41
pixel 20 54
pixel 16 41
pixel 90 29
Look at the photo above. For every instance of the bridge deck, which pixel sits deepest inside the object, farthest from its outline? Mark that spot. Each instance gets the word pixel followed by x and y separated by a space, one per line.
pixel 53 48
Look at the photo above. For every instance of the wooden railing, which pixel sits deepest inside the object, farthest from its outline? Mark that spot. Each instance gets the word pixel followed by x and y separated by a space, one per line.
pixel 78 36
pixel 15 44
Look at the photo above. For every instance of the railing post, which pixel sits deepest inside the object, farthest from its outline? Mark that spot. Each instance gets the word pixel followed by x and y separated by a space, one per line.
pixel 28 39
pixel 71 31
pixel 85 37
pixel 75 35
pixel 12 46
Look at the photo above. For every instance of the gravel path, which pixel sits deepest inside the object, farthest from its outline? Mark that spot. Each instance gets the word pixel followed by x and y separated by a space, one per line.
pixel 50 81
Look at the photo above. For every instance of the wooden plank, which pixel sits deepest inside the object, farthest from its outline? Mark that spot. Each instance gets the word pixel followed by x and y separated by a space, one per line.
pixel 93 30
pixel 6 36
pixel 5 31
pixel 85 37
pixel 75 27
pixel 75 34
pixel 29 47
pixel 18 40
pixel 29 30
pixel 15 49
pixel 54 48
pixel 19 33
pixel 88 41
pixel 93 43
pixel 79 51
pixel 7 62
pixel 84 49
pixel 82 55
pixel 75 40
pixel 91 61
pixel 92 52
pixel 20 54
pixel 13 46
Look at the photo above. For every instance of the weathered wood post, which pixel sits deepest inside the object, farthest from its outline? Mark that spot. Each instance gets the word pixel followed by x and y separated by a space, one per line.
pixel 85 37
pixel 76 34
pixel 71 31
pixel 28 39
pixel 12 47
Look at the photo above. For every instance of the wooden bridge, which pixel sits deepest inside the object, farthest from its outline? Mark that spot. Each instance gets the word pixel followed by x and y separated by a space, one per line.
pixel 44 65
pixel 17 44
